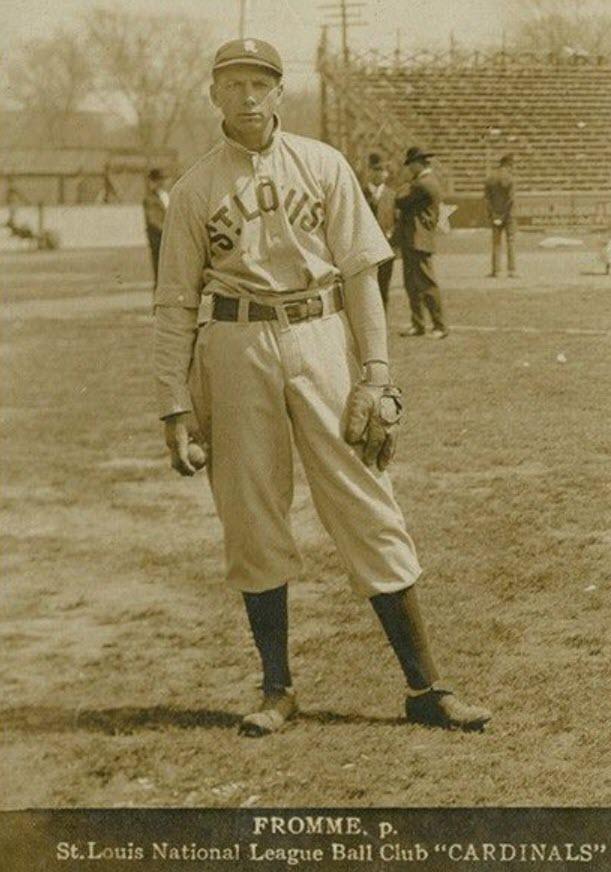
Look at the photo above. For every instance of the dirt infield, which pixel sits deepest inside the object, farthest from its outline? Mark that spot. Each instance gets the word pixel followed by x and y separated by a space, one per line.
pixel 126 664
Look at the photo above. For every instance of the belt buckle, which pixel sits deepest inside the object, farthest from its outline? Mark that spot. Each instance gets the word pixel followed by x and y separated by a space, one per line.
pixel 314 307
pixel 303 311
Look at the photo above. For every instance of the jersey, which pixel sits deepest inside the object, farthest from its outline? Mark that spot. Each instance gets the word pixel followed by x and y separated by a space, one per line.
pixel 283 222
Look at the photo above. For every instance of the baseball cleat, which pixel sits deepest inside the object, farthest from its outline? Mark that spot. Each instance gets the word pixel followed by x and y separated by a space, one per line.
pixel 440 708
pixel 438 334
pixel 276 709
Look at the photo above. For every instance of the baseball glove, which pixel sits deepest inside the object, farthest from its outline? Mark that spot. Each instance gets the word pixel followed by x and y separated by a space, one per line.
pixel 373 416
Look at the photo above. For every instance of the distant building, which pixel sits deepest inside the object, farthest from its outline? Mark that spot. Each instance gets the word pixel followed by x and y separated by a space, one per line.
pixel 89 158
pixel 58 176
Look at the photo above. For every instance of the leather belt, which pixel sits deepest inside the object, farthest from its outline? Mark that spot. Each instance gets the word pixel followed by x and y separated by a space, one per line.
pixel 227 308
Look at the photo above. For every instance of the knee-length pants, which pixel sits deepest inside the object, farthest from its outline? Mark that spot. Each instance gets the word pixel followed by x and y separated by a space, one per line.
pixel 257 389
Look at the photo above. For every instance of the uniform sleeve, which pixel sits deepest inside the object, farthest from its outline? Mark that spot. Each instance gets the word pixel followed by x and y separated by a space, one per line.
pixel 353 234
pixel 184 252
pixel 175 333
pixel 365 312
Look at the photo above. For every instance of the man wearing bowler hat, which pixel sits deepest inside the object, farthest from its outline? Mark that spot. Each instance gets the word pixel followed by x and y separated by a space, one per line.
pixel 418 210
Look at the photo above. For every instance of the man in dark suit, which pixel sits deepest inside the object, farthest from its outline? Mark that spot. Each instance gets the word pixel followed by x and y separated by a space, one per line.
pixel 381 199
pixel 155 204
pixel 418 210
pixel 499 196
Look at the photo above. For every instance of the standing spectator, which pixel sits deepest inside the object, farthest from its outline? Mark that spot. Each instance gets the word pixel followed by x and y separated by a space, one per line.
pixel 381 199
pixel 499 195
pixel 155 205
pixel 418 216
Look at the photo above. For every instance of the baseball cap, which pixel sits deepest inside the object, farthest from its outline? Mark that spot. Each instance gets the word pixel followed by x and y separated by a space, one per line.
pixel 375 162
pixel 255 52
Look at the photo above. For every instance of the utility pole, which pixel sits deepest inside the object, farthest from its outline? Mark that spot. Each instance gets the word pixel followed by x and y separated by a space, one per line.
pixel 243 18
pixel 398 47
pixel 343 14
pixel 324 103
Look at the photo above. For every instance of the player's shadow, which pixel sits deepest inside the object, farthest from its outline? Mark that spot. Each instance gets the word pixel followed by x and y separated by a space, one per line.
pixel 331 718
pixel 126 720
pixel 114 721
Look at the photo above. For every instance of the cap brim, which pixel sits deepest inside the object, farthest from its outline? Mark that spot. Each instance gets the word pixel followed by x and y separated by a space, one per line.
pixel 246 62
pixel 419 157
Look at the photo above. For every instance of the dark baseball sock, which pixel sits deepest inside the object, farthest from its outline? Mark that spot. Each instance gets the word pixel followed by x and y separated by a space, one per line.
pixel 268 618
pixel 400 616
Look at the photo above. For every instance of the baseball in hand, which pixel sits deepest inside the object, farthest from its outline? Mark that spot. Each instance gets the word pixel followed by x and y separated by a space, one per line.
pixel 197 455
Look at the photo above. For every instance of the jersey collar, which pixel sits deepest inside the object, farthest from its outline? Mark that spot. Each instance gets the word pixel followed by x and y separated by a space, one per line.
pixel 273 142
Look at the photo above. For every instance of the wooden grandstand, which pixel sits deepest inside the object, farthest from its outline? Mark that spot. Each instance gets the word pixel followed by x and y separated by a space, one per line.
pixel 552 113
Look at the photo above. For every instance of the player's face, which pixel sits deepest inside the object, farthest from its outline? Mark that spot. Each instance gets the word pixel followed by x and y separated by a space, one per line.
pixel 248 97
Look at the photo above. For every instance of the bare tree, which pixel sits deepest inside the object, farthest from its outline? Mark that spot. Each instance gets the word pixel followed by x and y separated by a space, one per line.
pixel 573 28
pixel 51 78
pixel 157 65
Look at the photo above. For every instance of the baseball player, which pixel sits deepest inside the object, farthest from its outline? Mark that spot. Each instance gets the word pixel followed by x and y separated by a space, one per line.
pixel 499 196
pixel 274 230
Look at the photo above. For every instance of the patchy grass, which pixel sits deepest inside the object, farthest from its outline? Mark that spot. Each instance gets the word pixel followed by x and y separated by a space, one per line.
pixel 31 275
pixel 127 663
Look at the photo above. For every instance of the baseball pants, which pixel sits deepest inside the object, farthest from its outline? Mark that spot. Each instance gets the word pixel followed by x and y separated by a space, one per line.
pixel 421 287
pixel 259 386
pixel 509 229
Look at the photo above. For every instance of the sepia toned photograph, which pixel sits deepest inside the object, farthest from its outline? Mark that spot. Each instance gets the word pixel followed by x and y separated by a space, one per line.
pixel 305 402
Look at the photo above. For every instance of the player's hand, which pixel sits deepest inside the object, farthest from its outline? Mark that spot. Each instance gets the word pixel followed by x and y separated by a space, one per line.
pixel 187 456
